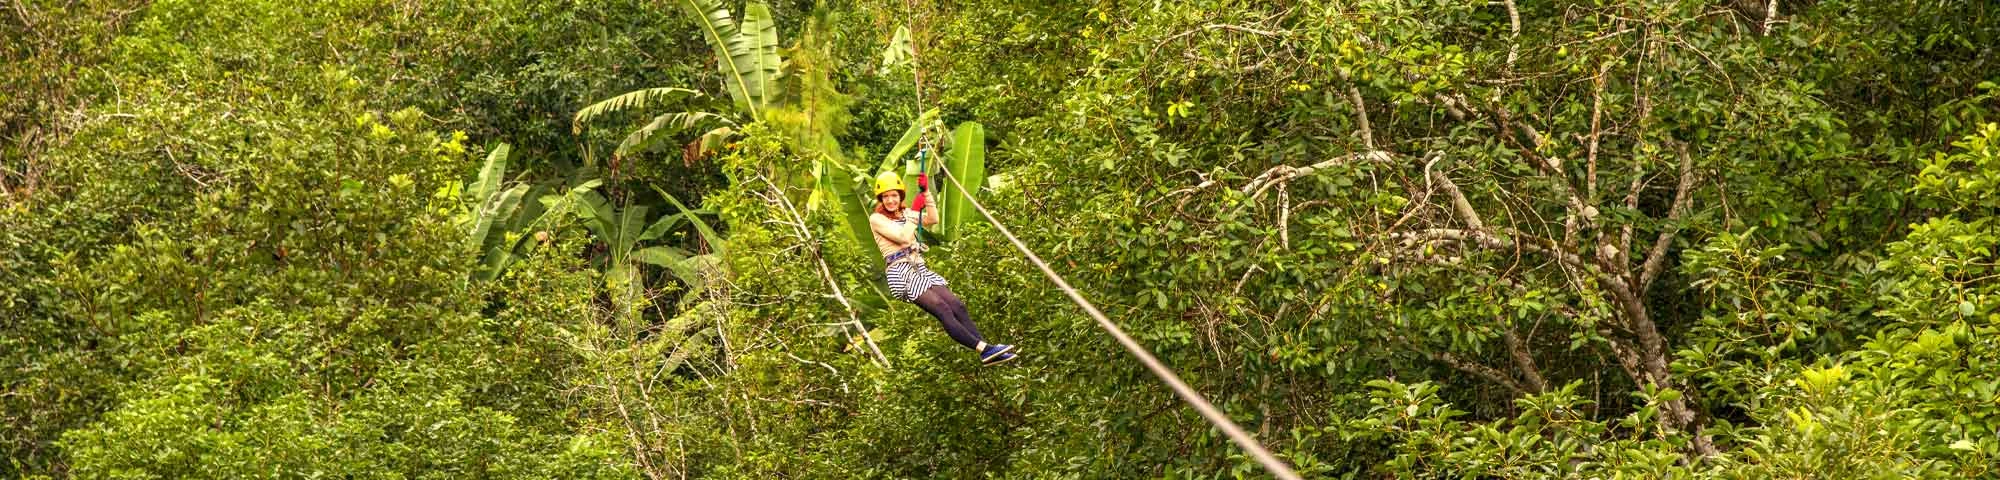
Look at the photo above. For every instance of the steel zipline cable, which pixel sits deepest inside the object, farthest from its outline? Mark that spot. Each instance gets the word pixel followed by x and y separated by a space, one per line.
pixel 1194 399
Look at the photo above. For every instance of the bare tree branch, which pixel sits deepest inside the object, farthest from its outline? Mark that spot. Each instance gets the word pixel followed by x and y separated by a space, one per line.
pixel 1360 112
pixel 1656 257
pixel 1283 173
pixel 1514 38
pixel 1770 15
pixel 1458 202
pixel 826 274
pixel 1596 130
pixel 1481 370
pixel 1284 217
pixel 1524 361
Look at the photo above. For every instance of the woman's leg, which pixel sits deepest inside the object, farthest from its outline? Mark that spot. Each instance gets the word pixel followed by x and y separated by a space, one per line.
pixel 933 301
pixel 958 307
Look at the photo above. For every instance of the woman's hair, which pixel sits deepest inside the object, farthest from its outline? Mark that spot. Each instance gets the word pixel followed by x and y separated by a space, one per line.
pixel 883 207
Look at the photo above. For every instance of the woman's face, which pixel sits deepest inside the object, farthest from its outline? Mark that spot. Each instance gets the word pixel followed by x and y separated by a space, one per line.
pixel 892 200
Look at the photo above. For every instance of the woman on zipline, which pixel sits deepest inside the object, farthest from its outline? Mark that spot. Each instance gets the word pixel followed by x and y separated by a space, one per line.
pixel 909 279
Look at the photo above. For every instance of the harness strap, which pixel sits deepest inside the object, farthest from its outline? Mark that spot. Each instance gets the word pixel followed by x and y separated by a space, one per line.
pixel 893 257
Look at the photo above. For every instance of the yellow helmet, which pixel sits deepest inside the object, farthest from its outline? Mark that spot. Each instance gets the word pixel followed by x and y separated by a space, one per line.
pixel 888 180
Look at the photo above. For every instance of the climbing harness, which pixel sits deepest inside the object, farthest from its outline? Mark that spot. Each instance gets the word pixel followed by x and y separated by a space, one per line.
pixel 905 252
pixel 1187 394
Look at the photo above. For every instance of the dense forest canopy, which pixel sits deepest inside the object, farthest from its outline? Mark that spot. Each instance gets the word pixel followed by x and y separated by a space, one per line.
pixel 629 238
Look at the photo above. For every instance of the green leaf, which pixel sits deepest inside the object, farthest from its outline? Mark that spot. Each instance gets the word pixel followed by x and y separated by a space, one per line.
pixel 633 99
pixel 898 53
pixel 910 138
pixel 644 138
pixel 661 227
pixel 630 225
pixel 708 234
pixel 597 214
pixel 674 260
pixel 720 29
pixel 845 183
pixel 664 256
pixel 492 173
pixel 967 161
pixel 747 57
pixel 761 32
pixel 498 209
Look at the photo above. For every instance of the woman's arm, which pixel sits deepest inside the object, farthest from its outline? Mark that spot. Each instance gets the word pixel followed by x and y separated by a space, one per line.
pixel 924 201
pixel 898 234
pixel 930 214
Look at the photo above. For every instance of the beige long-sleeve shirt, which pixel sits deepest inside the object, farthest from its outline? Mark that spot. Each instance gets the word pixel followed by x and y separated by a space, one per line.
pixel 893 235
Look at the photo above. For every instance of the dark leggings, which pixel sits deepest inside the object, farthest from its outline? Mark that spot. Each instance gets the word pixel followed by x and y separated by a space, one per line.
pixel 950 311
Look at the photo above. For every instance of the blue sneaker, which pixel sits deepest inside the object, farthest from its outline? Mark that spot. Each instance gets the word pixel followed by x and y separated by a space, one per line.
pixel 1003 358
pixel 993 354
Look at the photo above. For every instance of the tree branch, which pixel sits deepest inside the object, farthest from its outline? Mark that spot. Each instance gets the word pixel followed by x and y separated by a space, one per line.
pixel 1514 38
pixel 1458 202
pixel 1657 256
pixel 1596 130
pixel 1491 241
pixel 1283 173
pixel 1360 112
pixel 1524 360
pixel 1770 15
pixel 826 274
pixel 1482 371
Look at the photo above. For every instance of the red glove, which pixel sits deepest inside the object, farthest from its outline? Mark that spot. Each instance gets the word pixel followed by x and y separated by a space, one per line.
pixel 921 199
pixel 923 183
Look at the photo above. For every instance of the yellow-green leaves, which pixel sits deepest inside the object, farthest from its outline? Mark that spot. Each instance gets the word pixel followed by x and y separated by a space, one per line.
pixel 1822 381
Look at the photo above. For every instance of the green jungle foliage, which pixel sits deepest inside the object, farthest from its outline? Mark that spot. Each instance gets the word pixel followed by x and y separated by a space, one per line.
pixel 628 239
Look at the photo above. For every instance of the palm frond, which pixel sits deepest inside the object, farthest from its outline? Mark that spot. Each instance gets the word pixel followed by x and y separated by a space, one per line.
pixel 633 99
pixel 967 161
pixel 910 138
pixel 491 174
pixel 708 234
pixel 761 32
pixel 722 34
pixel 899 52
pixel 646 136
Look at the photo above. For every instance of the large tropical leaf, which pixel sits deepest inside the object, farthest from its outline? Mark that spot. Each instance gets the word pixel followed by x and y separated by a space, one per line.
pixel 855 206
pixel 500 223
pixel 490 242
pixel 664 256
pixel 696 344
pixel 760 36
pixel 661 227
pixel 708 234
pixel 899 51
pixel 711 142
pixel 675 260
pixel 910 138
pixel 846 185
pixel 485 195
pixel 733 52
pixel 967 161
pixel 515 239
pixel 569 200
pixel 597 214
pixel 631 222
pixel 491 174
pixel 633 99
pixel 646 136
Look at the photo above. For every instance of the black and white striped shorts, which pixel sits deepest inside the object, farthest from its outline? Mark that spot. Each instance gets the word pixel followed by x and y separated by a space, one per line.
pixel 907 280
